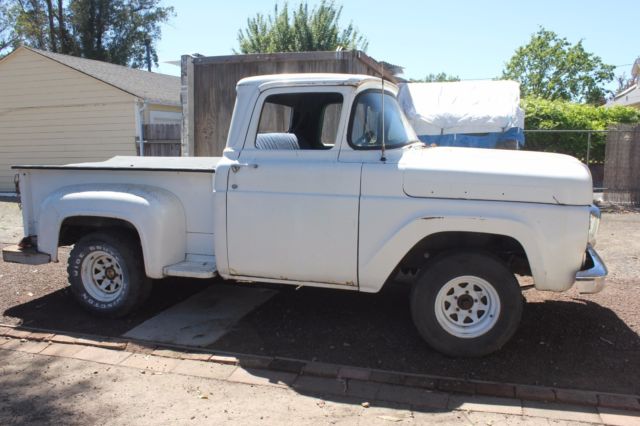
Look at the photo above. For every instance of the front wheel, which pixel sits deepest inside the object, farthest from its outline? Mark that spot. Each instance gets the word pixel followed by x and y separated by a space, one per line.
pixel 466 304
pixel 106 274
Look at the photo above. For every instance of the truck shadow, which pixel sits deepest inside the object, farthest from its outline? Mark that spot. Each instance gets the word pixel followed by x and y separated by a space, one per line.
pixel 568 344
pixel 59 311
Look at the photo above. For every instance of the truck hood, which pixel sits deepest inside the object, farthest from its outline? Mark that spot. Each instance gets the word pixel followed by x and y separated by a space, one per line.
pixel 497 175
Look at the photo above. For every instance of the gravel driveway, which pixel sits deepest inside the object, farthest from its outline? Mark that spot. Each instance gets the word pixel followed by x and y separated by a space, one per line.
pixel 565 340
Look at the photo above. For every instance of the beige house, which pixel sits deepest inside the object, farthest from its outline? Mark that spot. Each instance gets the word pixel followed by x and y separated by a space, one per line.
pixel 57 109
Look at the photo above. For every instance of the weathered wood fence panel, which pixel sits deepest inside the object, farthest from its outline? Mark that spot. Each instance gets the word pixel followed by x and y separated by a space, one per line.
pixel 161 140
pixel 155 149
pixel 622 165
pixel 156 132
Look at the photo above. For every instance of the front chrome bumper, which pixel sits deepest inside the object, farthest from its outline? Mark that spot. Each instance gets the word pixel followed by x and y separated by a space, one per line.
pixel 591 278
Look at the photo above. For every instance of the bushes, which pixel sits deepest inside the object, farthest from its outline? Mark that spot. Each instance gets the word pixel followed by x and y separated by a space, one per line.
pixel 543 114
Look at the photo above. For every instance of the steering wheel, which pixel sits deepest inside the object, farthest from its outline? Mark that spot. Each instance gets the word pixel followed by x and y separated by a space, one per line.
pixel 366 138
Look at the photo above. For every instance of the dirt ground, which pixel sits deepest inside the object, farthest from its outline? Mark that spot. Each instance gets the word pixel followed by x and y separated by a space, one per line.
pixel 10 222
pixel 565 340
pixel 44 390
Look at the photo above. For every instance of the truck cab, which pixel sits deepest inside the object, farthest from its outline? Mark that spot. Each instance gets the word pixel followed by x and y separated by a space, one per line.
pixel 324 183
pixel 292 175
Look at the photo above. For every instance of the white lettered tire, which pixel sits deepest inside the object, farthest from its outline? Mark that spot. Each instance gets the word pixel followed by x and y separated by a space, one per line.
pixel 466 304
pixel 106 273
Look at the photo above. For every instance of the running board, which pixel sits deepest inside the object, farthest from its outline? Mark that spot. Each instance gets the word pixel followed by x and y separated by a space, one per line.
pixel 27 256
pixel 193 268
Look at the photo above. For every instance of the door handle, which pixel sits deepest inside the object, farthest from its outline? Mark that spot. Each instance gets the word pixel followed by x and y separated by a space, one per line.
pixel 236 167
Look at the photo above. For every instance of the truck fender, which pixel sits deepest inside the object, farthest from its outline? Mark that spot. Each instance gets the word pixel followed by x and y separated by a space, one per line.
pixel 375 269
pixel 156 214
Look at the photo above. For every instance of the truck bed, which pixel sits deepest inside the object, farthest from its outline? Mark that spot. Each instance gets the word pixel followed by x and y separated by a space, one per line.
pixel 173 164
pixel 189 179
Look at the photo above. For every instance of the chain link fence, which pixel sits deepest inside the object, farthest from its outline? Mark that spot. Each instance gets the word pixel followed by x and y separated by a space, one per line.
pixel 586 145
pixel 613 156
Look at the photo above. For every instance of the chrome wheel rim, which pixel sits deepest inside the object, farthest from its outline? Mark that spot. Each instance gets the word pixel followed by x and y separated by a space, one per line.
pixel 467 306
pixel 102 276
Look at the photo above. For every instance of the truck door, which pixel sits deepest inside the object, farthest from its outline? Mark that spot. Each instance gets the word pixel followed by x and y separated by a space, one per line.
pixel 292 208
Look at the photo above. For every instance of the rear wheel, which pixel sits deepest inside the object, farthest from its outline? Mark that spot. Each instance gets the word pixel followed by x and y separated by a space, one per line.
pixel 106 273
pixel 466 304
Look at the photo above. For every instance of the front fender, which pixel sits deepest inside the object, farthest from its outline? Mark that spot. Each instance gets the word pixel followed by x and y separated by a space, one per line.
pixel 157 215
pixel 376 268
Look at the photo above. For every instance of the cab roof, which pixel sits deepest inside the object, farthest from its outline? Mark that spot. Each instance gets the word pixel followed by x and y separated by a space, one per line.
pixel 264 82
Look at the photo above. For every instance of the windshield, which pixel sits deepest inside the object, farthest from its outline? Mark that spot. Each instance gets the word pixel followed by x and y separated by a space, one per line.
pixel 366 127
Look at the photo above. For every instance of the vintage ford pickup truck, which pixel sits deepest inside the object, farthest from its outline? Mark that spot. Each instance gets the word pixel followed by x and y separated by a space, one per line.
pixel 323 183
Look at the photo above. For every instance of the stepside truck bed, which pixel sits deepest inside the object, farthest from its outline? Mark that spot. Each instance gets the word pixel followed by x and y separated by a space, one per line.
pixel 188 180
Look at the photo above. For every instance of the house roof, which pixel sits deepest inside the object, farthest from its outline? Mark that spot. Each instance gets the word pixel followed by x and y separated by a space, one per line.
pixel 629 97
pixel 152 87
pixel 626 91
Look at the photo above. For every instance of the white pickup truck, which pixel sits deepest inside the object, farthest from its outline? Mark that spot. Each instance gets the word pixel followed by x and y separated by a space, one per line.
pixel 323 183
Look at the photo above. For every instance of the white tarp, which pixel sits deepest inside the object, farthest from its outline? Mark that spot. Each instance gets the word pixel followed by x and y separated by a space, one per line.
pixel 462 107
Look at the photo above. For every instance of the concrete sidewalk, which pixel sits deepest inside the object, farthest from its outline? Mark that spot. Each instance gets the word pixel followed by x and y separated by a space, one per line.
pixel 44 383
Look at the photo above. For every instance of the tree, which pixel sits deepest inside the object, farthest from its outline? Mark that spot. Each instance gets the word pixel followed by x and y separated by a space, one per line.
pixel 302 31
pixel 114 31
pixel 544 114
pixel 34 23
pixel 6 36
pixel 437 78
pixel 552 68
pixel 624 82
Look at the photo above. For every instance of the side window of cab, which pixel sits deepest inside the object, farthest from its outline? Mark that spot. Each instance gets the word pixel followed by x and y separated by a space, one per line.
pixel 305 121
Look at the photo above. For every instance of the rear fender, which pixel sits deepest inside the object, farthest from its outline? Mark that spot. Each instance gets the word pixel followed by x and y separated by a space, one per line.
pixel 156 214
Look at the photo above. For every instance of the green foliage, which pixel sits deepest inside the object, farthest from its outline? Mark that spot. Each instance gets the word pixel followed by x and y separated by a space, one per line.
pixel 301 31
pixel 6 39
pixel 115 30
pixel 40 24
pixel 29 22
pixel 552 68
pixel 437 78
pixel 563 115
pixel 107 30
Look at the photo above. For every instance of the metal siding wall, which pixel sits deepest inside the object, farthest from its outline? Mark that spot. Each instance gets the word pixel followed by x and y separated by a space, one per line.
pixel 52 114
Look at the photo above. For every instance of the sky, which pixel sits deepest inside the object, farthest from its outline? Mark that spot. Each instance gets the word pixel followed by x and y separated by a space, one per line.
pixel 470 39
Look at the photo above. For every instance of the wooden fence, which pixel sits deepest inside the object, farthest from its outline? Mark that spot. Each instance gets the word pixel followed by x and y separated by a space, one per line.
pixel 622 165
pixel 161 140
